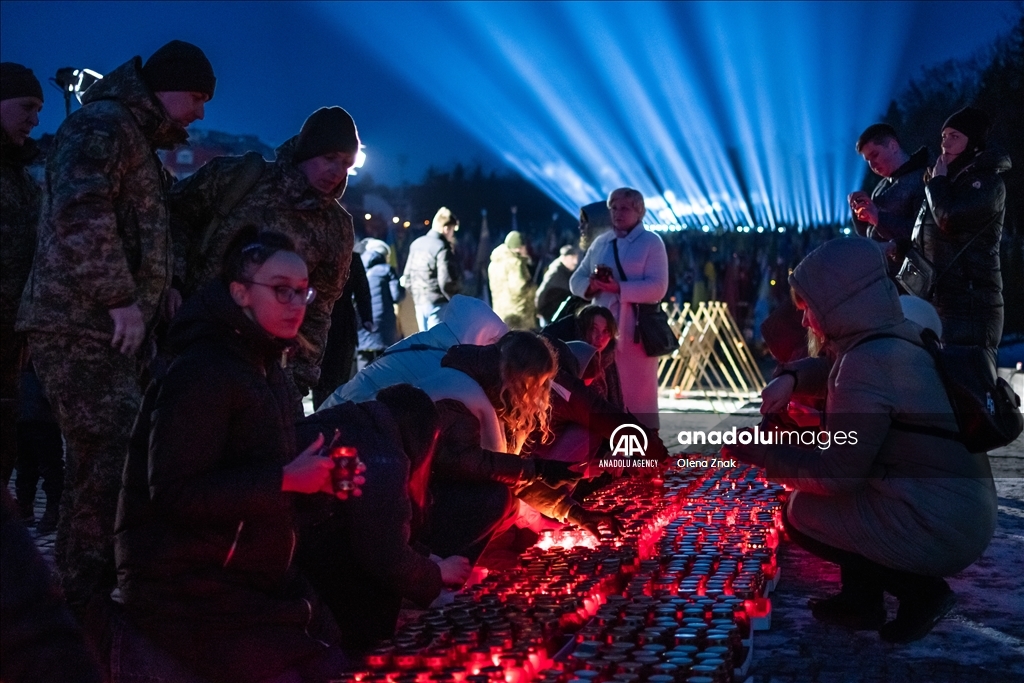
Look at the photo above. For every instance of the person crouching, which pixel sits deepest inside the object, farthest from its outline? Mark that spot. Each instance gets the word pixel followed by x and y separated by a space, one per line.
pixel 205 532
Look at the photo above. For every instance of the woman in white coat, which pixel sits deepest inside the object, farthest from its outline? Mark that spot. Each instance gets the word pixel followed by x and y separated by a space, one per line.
pixel 599 279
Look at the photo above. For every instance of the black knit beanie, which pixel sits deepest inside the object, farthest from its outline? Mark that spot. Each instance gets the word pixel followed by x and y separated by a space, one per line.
pixel 18 81
pixel 972 122
pixel 329 129
pixel 179 67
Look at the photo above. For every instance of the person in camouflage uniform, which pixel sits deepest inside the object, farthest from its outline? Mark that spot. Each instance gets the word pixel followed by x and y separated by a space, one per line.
pixel 296 195
pixel 21 99
pixel 99 283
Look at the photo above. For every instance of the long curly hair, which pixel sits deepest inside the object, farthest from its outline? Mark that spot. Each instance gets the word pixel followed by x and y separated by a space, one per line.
pixel 527 366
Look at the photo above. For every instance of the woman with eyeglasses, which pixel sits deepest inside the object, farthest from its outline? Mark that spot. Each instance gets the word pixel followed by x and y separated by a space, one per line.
pixel 205 529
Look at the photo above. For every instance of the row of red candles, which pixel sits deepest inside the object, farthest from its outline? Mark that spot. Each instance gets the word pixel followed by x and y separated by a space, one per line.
pixel 695 542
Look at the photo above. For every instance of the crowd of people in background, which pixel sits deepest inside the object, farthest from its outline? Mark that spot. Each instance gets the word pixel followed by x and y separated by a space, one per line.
pixel 161 335
pixel 748 271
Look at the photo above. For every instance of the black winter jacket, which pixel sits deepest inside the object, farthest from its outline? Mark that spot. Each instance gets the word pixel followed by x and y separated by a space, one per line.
pixel 204 535
pixel 459 455
pixel 554 289
pixel 607 386
pixel 432 272
pixel 342 338
pixel 958 207
pixel 385 291
pixel 360 559
pixel 898 199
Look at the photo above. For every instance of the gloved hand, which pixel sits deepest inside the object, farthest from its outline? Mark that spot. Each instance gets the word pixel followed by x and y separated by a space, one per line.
pixel 592 520
pixel 554 473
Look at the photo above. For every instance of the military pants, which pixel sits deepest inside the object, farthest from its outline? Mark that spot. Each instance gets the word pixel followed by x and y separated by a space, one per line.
pixel 95 394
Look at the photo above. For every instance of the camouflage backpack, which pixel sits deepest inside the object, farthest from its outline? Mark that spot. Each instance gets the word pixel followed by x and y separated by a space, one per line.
pixel 252 167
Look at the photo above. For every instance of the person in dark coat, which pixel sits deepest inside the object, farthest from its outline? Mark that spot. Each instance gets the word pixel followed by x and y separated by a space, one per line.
pixel 342 339
pixel 888 214
pixel 432 271
pixel 583 422
pixel 595 220
pixel 596 326
pixel 28 430
pixel 959 228
pixel 554 288
pixel 385 291
pixel 205 528
pixel 363 559
pixel 21 99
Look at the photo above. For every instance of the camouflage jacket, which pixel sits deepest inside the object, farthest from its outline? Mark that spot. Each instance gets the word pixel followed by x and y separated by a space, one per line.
pixel 104 236
pixel 19 213
pixel 282 200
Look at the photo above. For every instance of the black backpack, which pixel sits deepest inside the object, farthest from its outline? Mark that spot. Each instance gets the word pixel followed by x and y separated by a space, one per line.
pixel 987 409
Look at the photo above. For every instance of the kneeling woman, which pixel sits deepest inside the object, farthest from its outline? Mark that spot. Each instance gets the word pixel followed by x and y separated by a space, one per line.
pixel 491 400
pixel 896 505
pixel 205 532
pixel 364 559
pixel 596 326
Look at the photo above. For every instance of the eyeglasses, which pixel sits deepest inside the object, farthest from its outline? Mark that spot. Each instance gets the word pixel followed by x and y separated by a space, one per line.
pixel 286 295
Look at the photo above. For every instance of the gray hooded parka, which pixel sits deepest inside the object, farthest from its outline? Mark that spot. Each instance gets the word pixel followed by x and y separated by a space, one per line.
pixel 906 500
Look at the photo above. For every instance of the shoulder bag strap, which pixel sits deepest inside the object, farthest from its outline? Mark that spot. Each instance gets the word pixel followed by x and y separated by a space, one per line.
pixel 636 307
pixel 618 263
pixel 907 426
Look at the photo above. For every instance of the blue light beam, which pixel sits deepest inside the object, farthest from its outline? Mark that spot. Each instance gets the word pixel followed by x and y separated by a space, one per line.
pixel 724 114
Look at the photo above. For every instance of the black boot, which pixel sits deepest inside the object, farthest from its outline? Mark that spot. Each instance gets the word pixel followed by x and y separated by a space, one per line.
pixel 919 612
pixel 48 522
pixel 859 605
pixel 26 511
pixel 850 610
pixel 41 453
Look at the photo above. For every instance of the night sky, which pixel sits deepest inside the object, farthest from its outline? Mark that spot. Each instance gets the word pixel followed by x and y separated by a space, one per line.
pixel 277 62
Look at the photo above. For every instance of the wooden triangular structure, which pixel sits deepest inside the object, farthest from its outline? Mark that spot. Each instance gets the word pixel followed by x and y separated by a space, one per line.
pixel 713 360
